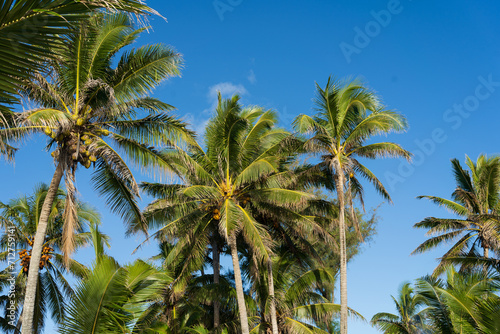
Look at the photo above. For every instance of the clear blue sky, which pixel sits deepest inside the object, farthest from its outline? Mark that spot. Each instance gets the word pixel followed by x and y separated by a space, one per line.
pixel 435 62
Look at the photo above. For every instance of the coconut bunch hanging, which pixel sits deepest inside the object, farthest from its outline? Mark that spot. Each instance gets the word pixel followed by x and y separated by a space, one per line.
pixel 76 144
pixel 244 200
pixel 216 214
pixel 25 256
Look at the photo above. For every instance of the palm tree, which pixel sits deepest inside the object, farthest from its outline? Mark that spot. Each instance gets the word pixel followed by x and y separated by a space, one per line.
pixel 22 215
pixel 476 200
pixel 348 115
pixel 224 187
pixel 112 298
pixel 28 30
pixel 464 303
pixel 187 304
pixel 309 237
pixel 410 318
pixel 304 292
pixel 88 109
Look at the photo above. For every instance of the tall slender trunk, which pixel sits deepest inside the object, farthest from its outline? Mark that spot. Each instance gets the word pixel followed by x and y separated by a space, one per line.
pixel 31 285
pixel 239 285
pixel 343 261
pixel 216 264
pixel 274 319
pixel 486 252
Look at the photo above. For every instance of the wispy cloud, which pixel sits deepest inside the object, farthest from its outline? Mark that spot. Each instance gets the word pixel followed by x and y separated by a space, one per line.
pixel 226 89
pixel 251 77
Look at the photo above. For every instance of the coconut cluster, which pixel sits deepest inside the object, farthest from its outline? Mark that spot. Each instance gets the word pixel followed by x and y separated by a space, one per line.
pixel 25 257
pixel 216 214
pixel 245 200
pixel 78 146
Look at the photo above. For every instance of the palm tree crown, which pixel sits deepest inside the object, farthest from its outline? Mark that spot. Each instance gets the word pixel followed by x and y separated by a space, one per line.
pixel 410 318
pixel 29 32
pixel 476 200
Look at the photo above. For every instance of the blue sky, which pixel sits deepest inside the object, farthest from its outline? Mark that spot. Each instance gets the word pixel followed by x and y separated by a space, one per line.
pixel 435 62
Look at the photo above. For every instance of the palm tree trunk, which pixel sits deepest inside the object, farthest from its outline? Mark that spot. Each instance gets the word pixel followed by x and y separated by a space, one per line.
pixel 239 285
pixel 486 252
pixel 339 184
pixel 31 285
pixel 274 320
pixel 216 265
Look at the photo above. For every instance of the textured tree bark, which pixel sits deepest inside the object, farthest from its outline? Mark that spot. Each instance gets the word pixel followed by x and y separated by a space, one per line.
pixel 216 265
pixel 486 252
pixel 31 285
pixel 343 261
pixel 274 320
pixel 239 285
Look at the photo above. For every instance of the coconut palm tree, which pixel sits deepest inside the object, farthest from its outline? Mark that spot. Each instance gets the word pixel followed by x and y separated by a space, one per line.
pixel 463 303
pixel 410 318
pixel 88 109
pixel 224 187
pixel 309 238
pixel 476 200
pixel 28 31
pixel 349 114
pixel 187 304
pixel 303 294
pixel 112 298
pixel 21 216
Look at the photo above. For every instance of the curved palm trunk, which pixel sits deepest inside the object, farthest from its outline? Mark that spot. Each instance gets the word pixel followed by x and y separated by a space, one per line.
pixel 343 261
pixel 216 265
pixel 239 285
pixel 274 320
pixel 31 285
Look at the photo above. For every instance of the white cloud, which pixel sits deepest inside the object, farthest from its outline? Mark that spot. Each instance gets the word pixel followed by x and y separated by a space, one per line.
pixel 198 122
pixel 251 77
pixel 227 89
